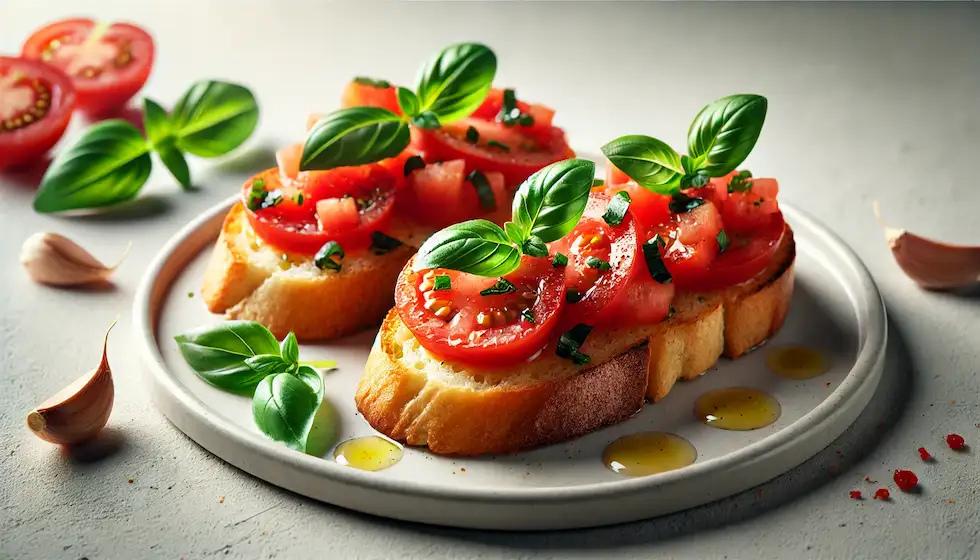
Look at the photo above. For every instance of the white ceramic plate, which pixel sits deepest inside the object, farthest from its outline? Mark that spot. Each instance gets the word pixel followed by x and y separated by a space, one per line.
pixel 836 308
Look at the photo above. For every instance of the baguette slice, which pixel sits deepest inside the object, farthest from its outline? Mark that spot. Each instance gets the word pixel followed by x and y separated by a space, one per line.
pixel 413 398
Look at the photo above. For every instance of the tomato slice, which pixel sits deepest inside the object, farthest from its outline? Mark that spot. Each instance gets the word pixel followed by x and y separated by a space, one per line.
pixel 644 301
pixel 107 65
pixel 373 93
pixel 462 325
pixel 36 102
pixel 345 205
pixel 441 194
pixel 593 284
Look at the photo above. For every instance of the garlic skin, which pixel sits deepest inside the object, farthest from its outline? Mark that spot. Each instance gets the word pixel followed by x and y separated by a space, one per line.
pixel 55 260
pixel 931 264
pixel 78 412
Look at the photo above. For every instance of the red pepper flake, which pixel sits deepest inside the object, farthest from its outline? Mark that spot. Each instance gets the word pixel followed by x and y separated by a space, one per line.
pixel 855 494
pixel 130 481
pixel 906 480
pixel 924 455
pixel 882 494
pixel 955 442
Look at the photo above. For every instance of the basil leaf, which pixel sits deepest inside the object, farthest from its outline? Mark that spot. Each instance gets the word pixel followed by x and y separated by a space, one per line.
pixel 535 247
pixel 681 203
pixel 289 349
pixel 213 118
pixel 156 123
pixel 616 209
pixel 689 164
pixel 648 161
pixel 725 131
pixel 570 341
pixel 723 241
pixel 550 202
pixel 108 164
pixel 218 353
pixel 477 247
pixel 174 160
pixel 268 364
pixel 371 82
pixel 598 183
pixel 514 233
pixel 324 258
pixel 408 102
pixel 455 83
pixel 426 120
pixel 283 407
pixel 354 136
pixel 323 430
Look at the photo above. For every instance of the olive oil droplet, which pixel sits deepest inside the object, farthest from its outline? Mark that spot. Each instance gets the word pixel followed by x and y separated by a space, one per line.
pixel 737 408
pixel 797 362
pixel 648 453
pixel 371 453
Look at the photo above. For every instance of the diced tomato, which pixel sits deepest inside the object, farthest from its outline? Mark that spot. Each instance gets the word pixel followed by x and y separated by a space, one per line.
pixel 494 102
pixel 440 194
pixel 648 207
pixel 288 159
pixel 644 301
pixel 372 93
pixel 746 210
pixel 36 103
pixel 108 64
pixel 494 331
pixel 337 214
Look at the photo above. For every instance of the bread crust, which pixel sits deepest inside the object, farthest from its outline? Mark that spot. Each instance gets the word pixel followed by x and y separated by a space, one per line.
pixel 402 401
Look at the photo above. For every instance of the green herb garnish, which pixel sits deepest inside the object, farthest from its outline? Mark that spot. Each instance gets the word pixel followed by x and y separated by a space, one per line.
pixel 740 182
pixel 503 286
pixel 442 283
pixel 495 144
pixel 559 260
pixel 382 243
pixel 510 114
pixel 571 341
pixel 483 190
pixel 329 257
pixel 655 262
pixel 371 82
pixel 617 208
pixel 598 264
pixel 528 315
pixel 723 241
pixel 534 246
pixel 472 136
pixel 412 164
pixel 598 183
pixel 681 203
pixel 574 296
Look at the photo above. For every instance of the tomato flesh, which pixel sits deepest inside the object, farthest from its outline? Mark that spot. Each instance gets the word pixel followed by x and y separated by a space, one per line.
pixel 359 93
pixel 462 325
pixel 36 103
pixel 644 301
pixel 441 194
pixel 108 65
pixel 747 210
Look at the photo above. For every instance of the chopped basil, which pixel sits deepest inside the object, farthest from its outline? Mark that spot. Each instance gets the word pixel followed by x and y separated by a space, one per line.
pixel 495 144
pixel 260 199
pixel 472 136
pixel 740 181
pixel 413 163
pixel 528 315
pixel 324 258
pixel 442 283
pixel 723 241
pixel 598 183
pixel 616 209
pixel 510 114
pixel 670 313
pixel 598 264
pixel 258 184
pixel 382 243
pixel 655 262
pixel 697 179
pixel 299 198
pixel 503 286
pixel 526 120
pixel 559 260
pixel 381 84
pixel 571 341
pixel 680 203
pixel 483 190
pixel 573 296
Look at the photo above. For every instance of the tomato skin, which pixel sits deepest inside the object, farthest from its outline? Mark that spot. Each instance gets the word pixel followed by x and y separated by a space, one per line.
pixel 493 347
pixel 113 87
pixel 29 143
pixel 363 95
pixel 644 301
pixel 440 195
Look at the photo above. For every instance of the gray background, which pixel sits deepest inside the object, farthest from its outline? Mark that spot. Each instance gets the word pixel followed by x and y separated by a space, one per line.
pixel 867 102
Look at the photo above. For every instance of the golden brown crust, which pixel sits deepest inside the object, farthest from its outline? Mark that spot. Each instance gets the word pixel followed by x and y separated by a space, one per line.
pixel 402 401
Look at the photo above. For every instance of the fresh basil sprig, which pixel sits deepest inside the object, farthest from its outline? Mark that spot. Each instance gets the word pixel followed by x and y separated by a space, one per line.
pixel 111 162
pixel 287 395
pixel 451 86
pixel 547 205
pixel 720 138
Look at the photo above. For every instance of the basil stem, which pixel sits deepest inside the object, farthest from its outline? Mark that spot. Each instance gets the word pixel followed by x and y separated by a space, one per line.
pixel 354 136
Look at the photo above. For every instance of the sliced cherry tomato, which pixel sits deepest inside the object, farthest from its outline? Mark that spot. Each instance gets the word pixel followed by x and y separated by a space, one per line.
pixel 601 260
pixel 107 65
pixel 345 205
pixel 644 301
pixel 372 93
pixel 462 325
pixel 36 102
pixel 440 194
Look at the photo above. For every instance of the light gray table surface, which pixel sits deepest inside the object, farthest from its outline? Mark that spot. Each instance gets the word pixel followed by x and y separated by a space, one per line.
pixel 866 102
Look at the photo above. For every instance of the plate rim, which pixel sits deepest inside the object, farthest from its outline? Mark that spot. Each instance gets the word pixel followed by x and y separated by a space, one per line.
pixel 870 356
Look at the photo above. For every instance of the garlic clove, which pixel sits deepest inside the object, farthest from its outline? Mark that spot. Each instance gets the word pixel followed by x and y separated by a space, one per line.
pixel 55 260
pixel 78 412
pixel 932 264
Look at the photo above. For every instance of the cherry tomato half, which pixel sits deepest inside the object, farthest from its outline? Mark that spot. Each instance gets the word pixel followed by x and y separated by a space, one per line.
pixel 36 102
pixel 462 325
pixel 107 65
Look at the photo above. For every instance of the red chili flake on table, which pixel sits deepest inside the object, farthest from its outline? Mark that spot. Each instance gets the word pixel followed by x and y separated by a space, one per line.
pixel 855 494
pixel 955 442
pixel 906 480
pixel 881 494
pixel 924 455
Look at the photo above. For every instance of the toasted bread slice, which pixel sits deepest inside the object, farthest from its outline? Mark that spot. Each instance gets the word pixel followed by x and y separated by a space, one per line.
pixel 454 410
